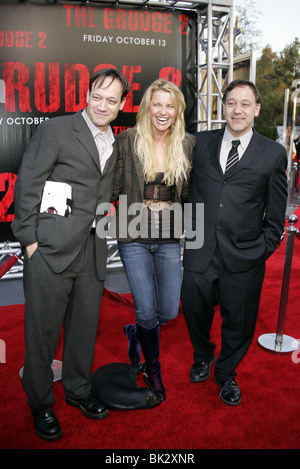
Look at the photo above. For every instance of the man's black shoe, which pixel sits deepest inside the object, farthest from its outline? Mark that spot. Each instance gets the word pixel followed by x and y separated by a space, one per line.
pixel 230 392
pixel 200 371
pixel 46 425
pixel 90 406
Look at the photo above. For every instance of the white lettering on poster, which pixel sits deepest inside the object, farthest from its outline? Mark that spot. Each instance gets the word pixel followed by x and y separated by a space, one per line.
pixel 127 40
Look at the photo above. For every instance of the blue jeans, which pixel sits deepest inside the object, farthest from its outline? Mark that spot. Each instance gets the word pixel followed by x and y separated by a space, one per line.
pixel 154 275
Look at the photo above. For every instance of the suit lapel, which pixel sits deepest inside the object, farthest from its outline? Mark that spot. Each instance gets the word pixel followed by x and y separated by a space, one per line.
pixel 85 136
pixel 215 148
pixel 250 154
pixel 112 159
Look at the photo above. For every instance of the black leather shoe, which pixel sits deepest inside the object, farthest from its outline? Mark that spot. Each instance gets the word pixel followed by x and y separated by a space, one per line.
pixel 46 425
pixel 230 392
pixel 200 371
pixel 90 406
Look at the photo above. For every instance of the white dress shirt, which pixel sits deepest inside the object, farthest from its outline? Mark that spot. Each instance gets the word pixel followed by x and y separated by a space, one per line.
pixel 226 145
pixel 104 143
pixel 104 140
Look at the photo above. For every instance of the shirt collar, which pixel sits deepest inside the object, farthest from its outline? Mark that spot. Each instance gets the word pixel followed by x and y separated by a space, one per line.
pixel 94 129
pixel 244 139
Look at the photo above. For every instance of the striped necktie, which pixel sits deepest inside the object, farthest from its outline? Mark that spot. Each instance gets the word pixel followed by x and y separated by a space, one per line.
pixel 233 156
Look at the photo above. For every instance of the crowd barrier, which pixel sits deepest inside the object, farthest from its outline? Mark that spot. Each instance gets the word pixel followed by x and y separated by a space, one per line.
pixel 279 342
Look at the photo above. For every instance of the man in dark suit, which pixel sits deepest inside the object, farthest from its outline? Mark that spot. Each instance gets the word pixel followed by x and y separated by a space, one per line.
pixel 244 213
pixel 65 262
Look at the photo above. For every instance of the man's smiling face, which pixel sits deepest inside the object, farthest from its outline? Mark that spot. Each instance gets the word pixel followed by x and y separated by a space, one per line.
pixel 240 109
pixel 104 102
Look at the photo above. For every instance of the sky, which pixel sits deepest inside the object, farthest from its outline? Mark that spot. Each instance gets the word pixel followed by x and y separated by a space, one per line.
pixel 279 21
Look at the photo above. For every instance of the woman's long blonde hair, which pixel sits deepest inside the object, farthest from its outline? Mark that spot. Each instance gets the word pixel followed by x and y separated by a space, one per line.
pixel 177 164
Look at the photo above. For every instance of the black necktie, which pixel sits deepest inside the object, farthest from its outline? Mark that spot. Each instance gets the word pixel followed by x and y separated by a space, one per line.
pixel 233 156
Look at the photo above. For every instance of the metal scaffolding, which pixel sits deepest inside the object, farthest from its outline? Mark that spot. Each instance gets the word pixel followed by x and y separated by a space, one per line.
pixel 214 60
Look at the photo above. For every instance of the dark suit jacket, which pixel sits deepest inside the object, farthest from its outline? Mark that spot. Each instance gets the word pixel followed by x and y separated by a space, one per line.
pixel 130 181
pixel 63 150
pixel 244 211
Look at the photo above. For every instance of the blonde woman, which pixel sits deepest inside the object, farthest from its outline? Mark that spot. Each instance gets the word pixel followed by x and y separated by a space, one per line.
pixel 153 173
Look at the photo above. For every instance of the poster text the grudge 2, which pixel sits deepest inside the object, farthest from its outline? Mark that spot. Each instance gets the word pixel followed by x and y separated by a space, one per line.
pixel 49 53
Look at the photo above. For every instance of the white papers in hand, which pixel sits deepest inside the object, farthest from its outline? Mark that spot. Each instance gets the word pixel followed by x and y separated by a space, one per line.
pixel 56 198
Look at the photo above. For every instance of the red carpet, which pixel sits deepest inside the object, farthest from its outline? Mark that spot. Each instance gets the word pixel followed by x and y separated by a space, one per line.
pixel 193 416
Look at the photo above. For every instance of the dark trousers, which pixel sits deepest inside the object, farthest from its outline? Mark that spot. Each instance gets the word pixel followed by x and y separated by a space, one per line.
pixel 238 295
pixel 70 300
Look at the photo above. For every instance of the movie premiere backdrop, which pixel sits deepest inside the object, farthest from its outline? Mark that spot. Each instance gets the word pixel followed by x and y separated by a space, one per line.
pixel 49 52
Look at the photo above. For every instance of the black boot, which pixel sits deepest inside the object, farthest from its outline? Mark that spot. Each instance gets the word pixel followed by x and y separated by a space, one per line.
pixel 134 352
pixel 149 339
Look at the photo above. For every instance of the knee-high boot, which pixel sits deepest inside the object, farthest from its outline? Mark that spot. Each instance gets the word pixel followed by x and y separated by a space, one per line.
pixel 134 353
pixel 149 339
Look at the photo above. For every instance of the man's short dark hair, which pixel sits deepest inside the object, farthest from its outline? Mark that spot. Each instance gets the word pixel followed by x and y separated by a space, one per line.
pixel 242 83
pixel 114 74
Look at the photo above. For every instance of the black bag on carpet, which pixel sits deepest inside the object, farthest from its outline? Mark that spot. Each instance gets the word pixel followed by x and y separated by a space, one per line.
pixel 115 385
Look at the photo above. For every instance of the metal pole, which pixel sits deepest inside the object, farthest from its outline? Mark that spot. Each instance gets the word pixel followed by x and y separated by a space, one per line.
pixel 290 168
pixel 285 114
pixel 280 343
pixel 209 64
pixel 285 281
